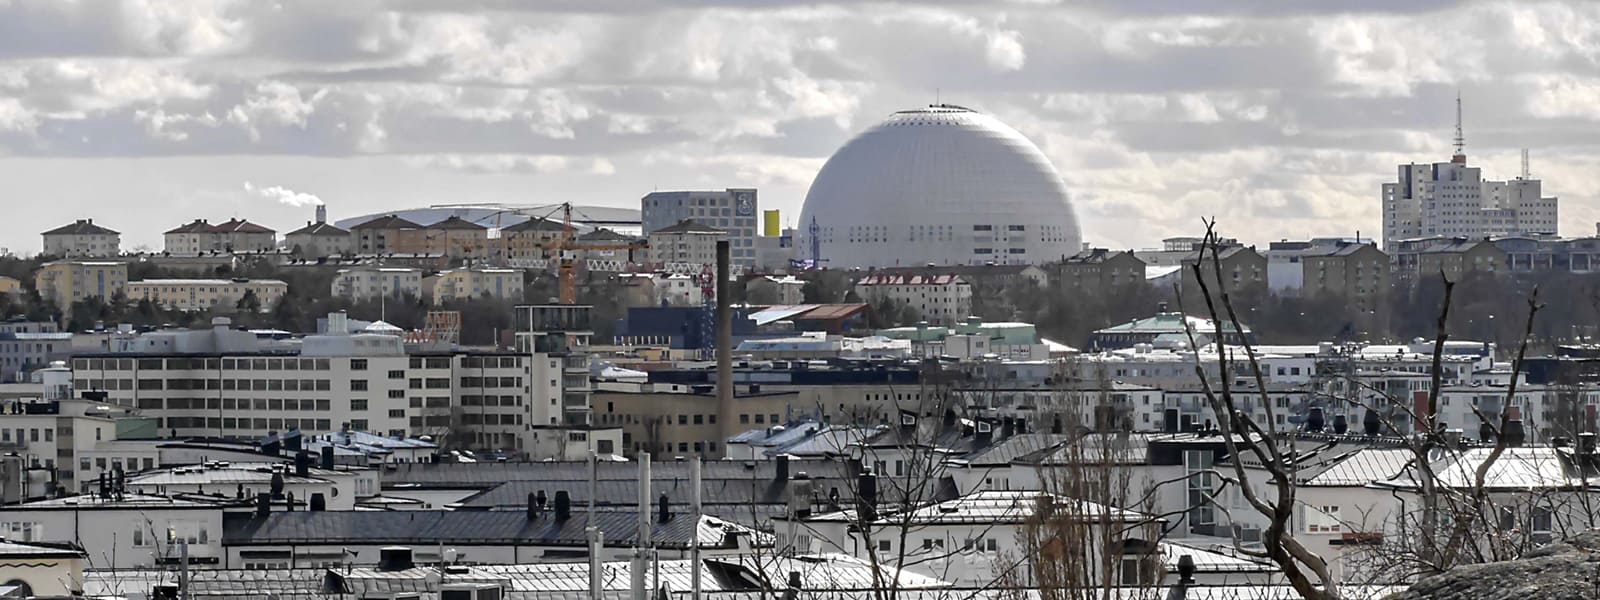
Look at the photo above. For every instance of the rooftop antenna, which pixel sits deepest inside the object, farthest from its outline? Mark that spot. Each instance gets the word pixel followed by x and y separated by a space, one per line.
pixel 1525 172
pixel 1461 139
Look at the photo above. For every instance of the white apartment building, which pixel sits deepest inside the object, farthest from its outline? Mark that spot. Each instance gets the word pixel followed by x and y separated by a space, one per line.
pixel 82 239
pixel 733 210
pixel 937 299
pixel 135 531
pixel 203 294
pixel 685 245
pixel 360 283
pixel 517 402
pixel 1451 199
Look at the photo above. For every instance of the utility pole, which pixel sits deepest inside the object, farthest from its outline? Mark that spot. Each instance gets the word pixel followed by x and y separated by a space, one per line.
pixel 694 541
pixel 596 539
pixel 640 565
pixel 183 569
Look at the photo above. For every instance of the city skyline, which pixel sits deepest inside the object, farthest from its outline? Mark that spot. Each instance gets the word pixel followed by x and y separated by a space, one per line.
pixel 1283 124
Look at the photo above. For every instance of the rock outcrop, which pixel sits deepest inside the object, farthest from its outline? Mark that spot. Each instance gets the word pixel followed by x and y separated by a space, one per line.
pixel 1568 570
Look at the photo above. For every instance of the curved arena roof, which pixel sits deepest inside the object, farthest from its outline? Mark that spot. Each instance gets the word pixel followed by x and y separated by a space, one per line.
pixel 944 185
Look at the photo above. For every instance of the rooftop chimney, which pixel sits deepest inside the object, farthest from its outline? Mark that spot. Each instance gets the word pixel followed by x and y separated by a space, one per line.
pixel 319 502
pixel 327 457
pixel 1005 428
pixel 663 510
pixel 1515 434
pixel 394 558
pixel 302 464
pixel 1315 420
pixel 867 495
pixel 322 213
pixel 539 499
pixel 1586 443
pixel 533 507
pixel 1370 423
pixel 985 434
pixel 1486 432
pixel 563 505
pixel 263 504
pixel 1341 424
pixel 783 468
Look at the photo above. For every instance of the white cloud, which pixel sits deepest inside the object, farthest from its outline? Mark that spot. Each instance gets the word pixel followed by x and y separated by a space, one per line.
pixel 282 195
pixel 1005 52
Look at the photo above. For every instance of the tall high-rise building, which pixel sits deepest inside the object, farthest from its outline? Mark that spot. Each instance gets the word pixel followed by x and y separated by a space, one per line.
pixel 734 210
pixel 1451 199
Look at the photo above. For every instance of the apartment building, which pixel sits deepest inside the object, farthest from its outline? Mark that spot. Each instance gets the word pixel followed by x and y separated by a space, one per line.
pixel 687 243
pixel 1351 269
pixel 529 240
pixel 937 299
pixel 677 421
pixel 234 235
pixel 1455 257
pixel 205 294
pixel 465 284
pixel 365 282
pixel 380 235
pixel 66 281
pixel 319 239
pixel 454 237
pixel 82 239
pixel 22 352
pixel 1098 269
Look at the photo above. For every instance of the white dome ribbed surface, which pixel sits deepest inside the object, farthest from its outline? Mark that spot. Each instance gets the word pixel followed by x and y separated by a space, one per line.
pixel 944 185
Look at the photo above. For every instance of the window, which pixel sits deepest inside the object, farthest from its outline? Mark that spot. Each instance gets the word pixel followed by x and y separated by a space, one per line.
pixel 358 385
pixel 884 546
pixel 358 404
pixel 1322 519
pixel 358 364
pixel 397 374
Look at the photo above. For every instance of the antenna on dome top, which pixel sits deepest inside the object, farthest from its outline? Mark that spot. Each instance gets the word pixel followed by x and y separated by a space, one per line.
pixel 1461 139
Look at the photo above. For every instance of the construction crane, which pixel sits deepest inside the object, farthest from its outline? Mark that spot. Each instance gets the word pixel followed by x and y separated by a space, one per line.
pixel 567 243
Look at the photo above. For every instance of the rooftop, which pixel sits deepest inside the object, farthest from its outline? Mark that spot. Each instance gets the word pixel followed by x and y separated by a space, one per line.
pixel 80 227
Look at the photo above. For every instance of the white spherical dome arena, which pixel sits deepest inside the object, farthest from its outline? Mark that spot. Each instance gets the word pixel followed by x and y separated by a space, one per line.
pixel 943 185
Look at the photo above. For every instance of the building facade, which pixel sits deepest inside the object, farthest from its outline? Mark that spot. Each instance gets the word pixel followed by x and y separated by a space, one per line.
pixel 686 244
pixel 360 283
pixel 1098 269
pixel 204 294
pixel 466 284
pixel 318 239
pixel 733 211
pixel 68 281
pixel 1451 199
pixel 937 299
pixel 82 239
pixel 380 235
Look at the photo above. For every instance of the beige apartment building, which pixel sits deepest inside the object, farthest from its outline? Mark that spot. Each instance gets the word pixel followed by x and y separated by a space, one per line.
pixel 685 243
pixel 380 235
pixel 82 239
pixel 464 284
pixel 234 235
pixel 68 281
pixel 203 294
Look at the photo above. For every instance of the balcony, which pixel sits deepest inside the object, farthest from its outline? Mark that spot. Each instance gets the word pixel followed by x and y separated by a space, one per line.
pixel 554 318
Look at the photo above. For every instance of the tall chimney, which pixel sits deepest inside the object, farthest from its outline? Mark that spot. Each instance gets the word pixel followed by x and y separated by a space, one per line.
pixel 725 406
pixel 563 505
pixel 322 213
pixel 867 495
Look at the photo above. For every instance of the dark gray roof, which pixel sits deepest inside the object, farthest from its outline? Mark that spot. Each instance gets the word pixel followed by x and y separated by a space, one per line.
pixel 730 496
pixel 466 528
pixel 80 227
pixel 1004 451
pixel 319 229
pixel 387 222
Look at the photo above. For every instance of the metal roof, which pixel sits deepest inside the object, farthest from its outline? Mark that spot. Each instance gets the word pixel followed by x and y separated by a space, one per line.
pixel 471 527
pixel 490 474
pixel 1361 467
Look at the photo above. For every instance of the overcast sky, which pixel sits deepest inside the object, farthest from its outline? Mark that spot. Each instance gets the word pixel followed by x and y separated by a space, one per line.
pixel 1277 116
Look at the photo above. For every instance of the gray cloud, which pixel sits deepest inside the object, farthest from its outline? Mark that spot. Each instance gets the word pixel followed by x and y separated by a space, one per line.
pixel 1283 115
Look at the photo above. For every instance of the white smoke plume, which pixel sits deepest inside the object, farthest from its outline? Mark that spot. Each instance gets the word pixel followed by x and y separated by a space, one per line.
pixel 283 194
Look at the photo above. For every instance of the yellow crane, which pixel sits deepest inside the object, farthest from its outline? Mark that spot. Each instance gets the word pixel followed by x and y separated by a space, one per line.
pixel 566 242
